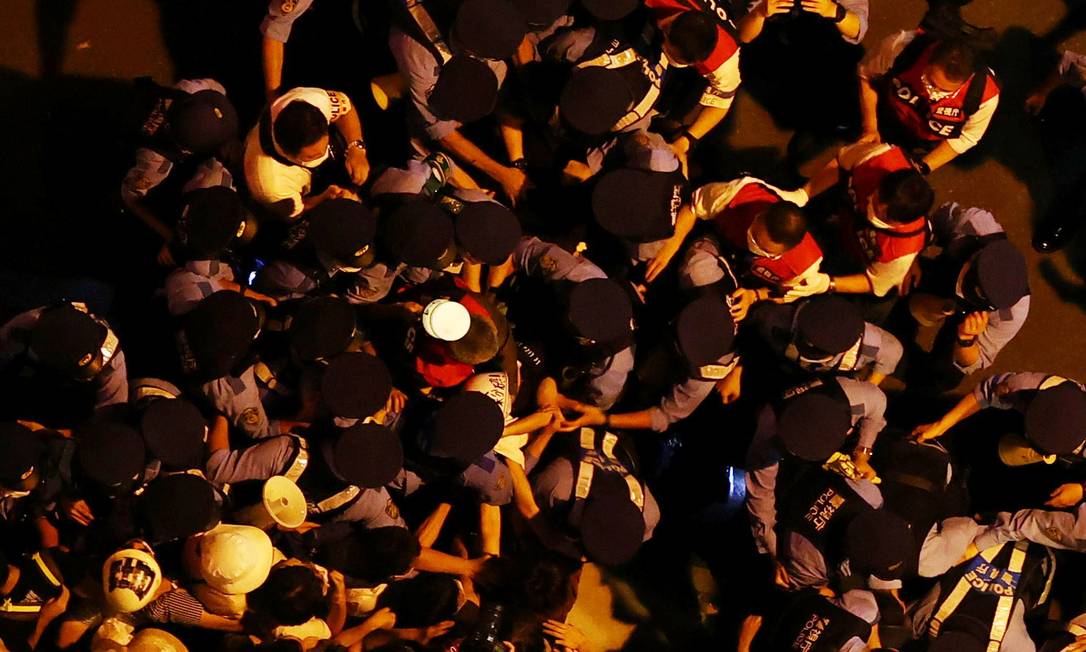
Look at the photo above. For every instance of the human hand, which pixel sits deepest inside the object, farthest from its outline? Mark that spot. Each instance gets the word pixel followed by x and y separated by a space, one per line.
pixel 396 401
pixel 912 279
pixel 383 618
pixel 741 301
pixel 927 431
pixel 576 172
pixel 659 262
pixel 430 633
pixel 870 135
pixel 771 8
pixel 358 166
pixel 1066 495
pixel 590 416
pixel 863 468
pixel 973 325
pixel 730 386
pixel 337 192
pixel 78 510
pixel 165 256
pixel 817 283
pixel 1035 102
pixel 261 297
pixel 514 183
pixel 565 635
pixel 780 574
pixel 339 584
pixel 681 148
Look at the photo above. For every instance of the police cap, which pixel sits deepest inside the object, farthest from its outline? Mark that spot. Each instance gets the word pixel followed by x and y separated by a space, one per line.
pixel 466 427
pixel 202 122
pixel 343 229
pixel 638 205
pixel 466 90
pixel 109 454
pixel 1056 419
pixel 220 330
pixel 367 455
pixel 542 12
pixel 211 219
pixel 958 641
pixel 594 99
pixel 174 431
pixel 827 325
pixel 705 331
pixel 355 385
pixel 68 340
pixel 612 526
pixel 22 450
pixel 879 543
pixel 487 231
pixel 813 424
pixel 418 233
pixel 491 29
pixel 322 328
pixel 1001 274
pixel 178 505
pixel 600 310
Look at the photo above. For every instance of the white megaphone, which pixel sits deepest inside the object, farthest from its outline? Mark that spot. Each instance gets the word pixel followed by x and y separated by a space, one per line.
pixel 387 89
pixel 282 503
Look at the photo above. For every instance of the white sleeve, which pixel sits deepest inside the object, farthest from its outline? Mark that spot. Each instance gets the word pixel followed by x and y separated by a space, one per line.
pixel 975 127
pixel 879 60
pixel 723 84
pixel 889 275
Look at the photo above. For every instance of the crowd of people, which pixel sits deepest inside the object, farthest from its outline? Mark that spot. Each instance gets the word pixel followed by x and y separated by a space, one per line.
pixel 398 400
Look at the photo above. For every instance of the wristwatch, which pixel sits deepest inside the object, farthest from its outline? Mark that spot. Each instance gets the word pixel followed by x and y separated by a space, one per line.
pixel 832 287
pixel 966 342
pixel 520 164
pixel 689 136
pixel 358 142
pixel 841 14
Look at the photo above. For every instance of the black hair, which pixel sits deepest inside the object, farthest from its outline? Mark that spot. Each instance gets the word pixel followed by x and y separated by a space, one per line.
pixel 956 57
pixel 785 224
pixel 693 35
pixel 372 555
pixel 907 195
pixel 421 601
pixel 290 596
pixel 299 125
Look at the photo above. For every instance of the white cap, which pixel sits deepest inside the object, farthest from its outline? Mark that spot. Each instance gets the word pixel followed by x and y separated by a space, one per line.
pixel 446 320
pixel 130 579
pixel 234 559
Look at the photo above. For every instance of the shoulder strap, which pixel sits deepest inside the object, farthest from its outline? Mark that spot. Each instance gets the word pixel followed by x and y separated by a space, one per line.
pixel 910 54
pixel 975 93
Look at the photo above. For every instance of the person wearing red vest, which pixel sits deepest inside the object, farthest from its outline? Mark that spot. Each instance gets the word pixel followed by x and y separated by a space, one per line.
pixel 700 34
pixel 927 94
pixel 884 225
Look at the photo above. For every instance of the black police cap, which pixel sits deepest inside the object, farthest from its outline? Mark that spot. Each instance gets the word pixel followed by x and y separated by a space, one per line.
pixel 542 12
pixel 220 330
pixel 612 526
pixel 1001 274
pixel 705 331
pixel 174 432
pixel 638 205
pixel 367 455
pixel 22 450
pixel 322 328
pixel 610 9
pixel 813 424
pixel 600 310
pixel 491 29
pixel 342 228
pixel 1056 419
pixel 202 122
pixel 879 543
pixel 64 337
pixel 355 385
pixel 466 90
pixel 829 324
pixel 417 233
pixel 487 231
pixel 109 454
pixel 594 99
pixel 467 426
pixel 177 506
pixel 210 220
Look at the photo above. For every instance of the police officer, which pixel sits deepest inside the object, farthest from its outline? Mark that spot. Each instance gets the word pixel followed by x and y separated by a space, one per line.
pixel 977 289
pixel 177 506
pixel 66 356
pixel 643 209
pixel 191 123
pixel 174 432
pixel 30 476
pixel 354 386
pixel 1053 411
pixel 276 28
pixel 292 139
pixel 827 334
pixel 926 93
pixel 840 623
pixel 454 445
pixel 30 583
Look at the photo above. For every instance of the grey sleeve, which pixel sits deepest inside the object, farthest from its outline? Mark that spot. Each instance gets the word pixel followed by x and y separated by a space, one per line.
pixel 281 16
pixel 1062 530
pixel 283 281
pixel 238 399
pixel 553 485
pixel 419 67
pixel 946 544
pixel 887 351
pixel 569 45
pixel 1003 325
pixel 701 264
pixel 805 564
pixel 257 462
pixel 548 261
pixel 604 389
pixel 375 509
pixel 372 284
pixel 997 391
pixel 646 150
pixel 680 403
pixel 859 603
pixel 150 170
pixel 868 404
pixel 762 507
pixel 112 383
pixel 862 11
pixel 185 289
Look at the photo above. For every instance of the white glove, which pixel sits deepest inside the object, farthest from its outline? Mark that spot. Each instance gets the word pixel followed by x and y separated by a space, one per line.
pixel 816 283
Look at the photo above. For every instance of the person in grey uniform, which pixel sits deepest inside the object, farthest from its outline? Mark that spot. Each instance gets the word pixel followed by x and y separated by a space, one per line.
pixel 275 29
pixel 642 208
pixel 976 290
pixel 810 423
pixel 826 334
pixel 61 362
pixel 839 623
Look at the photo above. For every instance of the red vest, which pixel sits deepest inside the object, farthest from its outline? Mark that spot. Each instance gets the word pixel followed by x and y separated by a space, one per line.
pixel 867 243
pixel 733 222
pixel 905 97
pixel 726 45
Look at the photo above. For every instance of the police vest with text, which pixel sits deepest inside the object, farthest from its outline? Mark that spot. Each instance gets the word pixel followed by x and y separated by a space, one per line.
pixel 819 506
pixel 811 623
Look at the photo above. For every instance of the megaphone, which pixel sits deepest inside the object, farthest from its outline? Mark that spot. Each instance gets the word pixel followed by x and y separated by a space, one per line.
pixel 282 503
pixel 387 89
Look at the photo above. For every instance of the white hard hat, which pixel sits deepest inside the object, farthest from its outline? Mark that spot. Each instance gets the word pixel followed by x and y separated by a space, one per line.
pixel 130 579
pixel 234 559
pixel 446 320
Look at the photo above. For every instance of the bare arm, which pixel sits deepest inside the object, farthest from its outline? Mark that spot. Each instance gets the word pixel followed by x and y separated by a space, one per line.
pixel 273 66
pixel 490 528
pixel 430 528
pixel 940 156
pixel 853 284
pixel 965 408
pixel 869 105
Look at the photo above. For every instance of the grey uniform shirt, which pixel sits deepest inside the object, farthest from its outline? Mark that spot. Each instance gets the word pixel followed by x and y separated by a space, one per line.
pixel 951 223
pixel 489 478
pixel 1013 390
pixel 1055 529
pixel 152 168
pixel 196 280
pixel 238 399
pixel 110 385
pixel 685 397
pixel 281 16
pixel 868 405
pixel 861 604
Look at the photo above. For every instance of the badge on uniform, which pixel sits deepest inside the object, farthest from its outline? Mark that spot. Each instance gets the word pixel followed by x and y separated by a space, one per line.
pixel 287 6
pixel 391 509
pixel 250 416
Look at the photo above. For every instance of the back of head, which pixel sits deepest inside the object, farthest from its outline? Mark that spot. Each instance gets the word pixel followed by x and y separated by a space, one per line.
pixel 291 595
pixel 956 57
pixel 907 195
pixel 957 641
pixel 299 125
pixel 785 223
pixel 693 36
